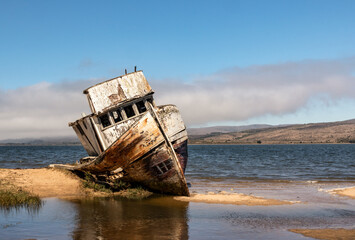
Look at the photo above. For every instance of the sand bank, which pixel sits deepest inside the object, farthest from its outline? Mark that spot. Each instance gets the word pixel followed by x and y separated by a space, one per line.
pixel 44 182
pixel 49 182
pixel 327 234
pixel 347 192
pixel 232 198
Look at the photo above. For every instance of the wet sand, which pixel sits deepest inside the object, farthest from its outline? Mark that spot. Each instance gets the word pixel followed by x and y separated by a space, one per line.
pixel 49 182
pixel 232 198
pixel 347 192
pixel 327 234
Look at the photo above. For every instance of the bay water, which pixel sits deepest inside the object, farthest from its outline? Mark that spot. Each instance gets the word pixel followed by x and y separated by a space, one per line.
pixel 300 173
pixel 324 162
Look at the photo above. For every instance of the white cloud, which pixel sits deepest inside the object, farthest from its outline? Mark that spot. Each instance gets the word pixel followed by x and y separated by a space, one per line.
pixel 234 94
pixel 42 109
pixel 239 94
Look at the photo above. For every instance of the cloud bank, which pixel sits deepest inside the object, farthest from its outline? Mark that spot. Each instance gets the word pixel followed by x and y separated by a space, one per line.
pixel 239 94
pixel 42 110
pixel 235 94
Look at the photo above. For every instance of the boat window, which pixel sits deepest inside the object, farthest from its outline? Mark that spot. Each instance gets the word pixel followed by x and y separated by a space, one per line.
pixel 169 164
pixel 163 167
pixel 116 115
pixel 105 121
pixel 150 100
pixel 141 107
pixel 129 111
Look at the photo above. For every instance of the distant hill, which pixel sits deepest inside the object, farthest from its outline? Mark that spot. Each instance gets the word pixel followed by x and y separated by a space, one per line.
pixel 70 140
pixel 73 140
pixel 224 129
pixel 331 132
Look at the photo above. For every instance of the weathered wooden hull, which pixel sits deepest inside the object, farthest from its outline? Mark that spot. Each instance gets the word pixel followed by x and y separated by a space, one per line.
pixel 157 172
pixel 128 137
pixel 173 125
pixel 181 153
pixel 144 155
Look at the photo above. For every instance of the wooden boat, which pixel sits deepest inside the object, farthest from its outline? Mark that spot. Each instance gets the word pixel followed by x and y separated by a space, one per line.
pixel 128 137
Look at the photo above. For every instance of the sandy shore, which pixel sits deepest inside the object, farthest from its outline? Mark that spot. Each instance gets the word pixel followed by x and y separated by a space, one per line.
pixel 49 182
pixel 232 198
pixel 348 192
pixel 327 234
pixel 44 182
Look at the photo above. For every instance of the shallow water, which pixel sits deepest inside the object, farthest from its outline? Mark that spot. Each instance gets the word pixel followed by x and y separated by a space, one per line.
pixel 165 218
pixel 290 172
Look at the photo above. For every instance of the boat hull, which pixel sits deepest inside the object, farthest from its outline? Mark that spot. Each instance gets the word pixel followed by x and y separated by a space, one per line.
pixel 145 156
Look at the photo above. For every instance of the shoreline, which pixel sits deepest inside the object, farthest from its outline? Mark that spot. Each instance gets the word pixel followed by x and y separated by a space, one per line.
pixel 243 209
pixel 280 143
pixel 345 192
pixel 49 182
pixel 326 233
pixel 62 184
pixel 252 143
pixel 232 198
pixel 44 182
pixel 39 145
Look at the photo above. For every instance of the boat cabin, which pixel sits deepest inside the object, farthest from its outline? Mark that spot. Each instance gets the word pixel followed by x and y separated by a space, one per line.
pixel 116 105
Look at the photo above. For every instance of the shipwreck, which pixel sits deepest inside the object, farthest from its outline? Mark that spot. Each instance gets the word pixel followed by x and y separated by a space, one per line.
pixel 128 137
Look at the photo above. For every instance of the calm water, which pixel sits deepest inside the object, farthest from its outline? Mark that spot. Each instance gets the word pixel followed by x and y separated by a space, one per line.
pixel 38 156
pixel 291 172
pixel 218 162
pixel 272 162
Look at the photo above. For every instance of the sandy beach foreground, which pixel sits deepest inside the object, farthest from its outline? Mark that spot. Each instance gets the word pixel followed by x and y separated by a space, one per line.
pixel 44 182
pixel 47 182
pixel 238 208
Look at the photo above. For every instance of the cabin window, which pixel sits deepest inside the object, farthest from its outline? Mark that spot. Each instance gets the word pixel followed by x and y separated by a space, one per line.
pixel 141 107
pixel 116 115
pixel 105 120
pixel 150 100
pixel 163 167
pixel 129 111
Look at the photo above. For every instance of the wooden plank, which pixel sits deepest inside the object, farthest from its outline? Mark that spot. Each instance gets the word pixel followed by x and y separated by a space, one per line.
pixel 136 142
pixel 114 132
pixel 170 119
pixel 107 94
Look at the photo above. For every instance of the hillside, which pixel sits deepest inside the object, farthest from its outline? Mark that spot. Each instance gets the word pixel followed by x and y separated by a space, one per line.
pixel 224 129
pixel 332 132
pixel 48 141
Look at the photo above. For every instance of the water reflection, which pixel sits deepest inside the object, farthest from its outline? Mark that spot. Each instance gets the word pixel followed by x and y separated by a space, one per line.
pixel 31 209
pixel 154 218
pixel 54 220
pixel 165 218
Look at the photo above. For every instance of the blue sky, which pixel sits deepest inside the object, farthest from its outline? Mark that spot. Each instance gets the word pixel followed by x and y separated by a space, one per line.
pixel 57 42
